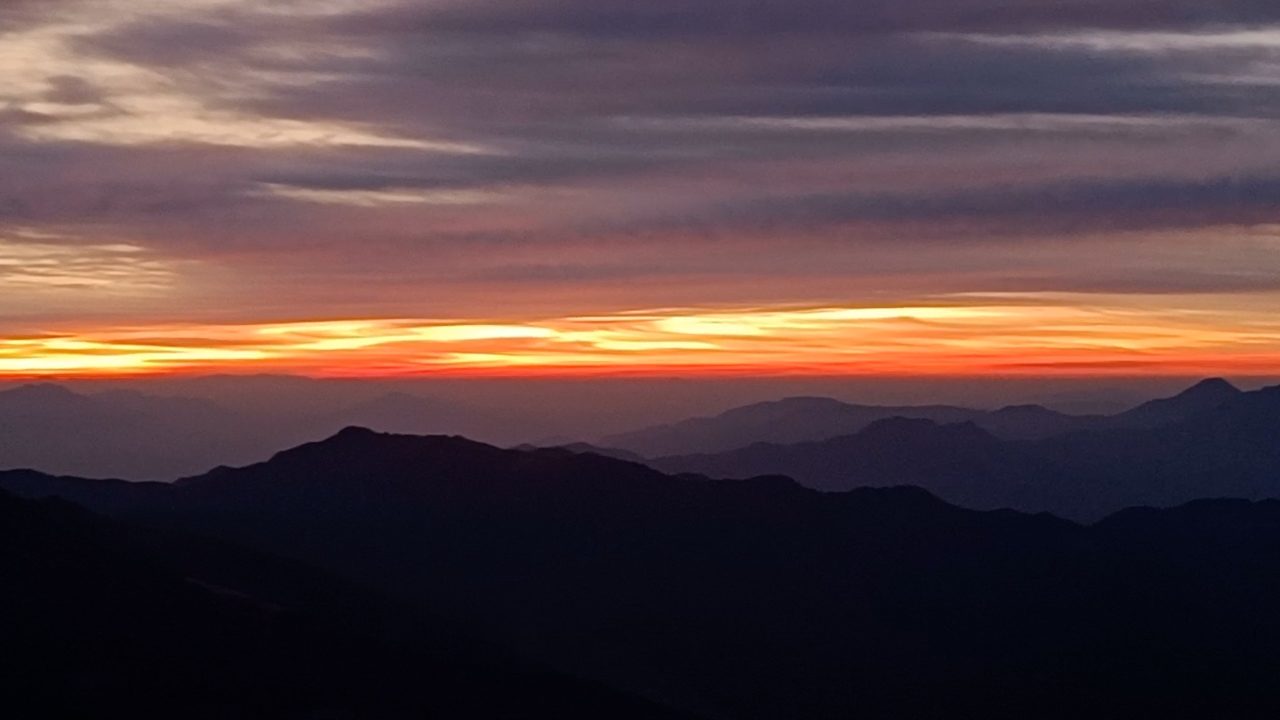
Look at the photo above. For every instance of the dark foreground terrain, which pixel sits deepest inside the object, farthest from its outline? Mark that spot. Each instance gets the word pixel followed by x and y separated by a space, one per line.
pixel 721 599
pixel 100 619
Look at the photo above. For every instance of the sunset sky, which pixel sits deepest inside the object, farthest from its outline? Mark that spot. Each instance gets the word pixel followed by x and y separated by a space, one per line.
pixel 665 187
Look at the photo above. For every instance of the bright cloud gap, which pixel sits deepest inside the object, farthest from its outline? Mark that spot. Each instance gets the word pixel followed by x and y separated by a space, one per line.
pixel 993 336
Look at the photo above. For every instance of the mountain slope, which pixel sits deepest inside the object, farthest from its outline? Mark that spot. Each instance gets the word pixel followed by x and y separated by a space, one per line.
pixel 1231 449
pixel 579 448
pixel 782 421
pixel 106 620
pixel 762 599
pixel 1203 396
pixel 809 419
pixel 137 436
pixel 960 462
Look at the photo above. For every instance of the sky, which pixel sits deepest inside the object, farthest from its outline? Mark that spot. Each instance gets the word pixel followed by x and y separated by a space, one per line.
pixel 524 188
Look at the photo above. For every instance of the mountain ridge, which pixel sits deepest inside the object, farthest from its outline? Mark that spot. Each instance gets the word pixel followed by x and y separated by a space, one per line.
pixel 687 590
pixel 108 619
pixel 810 418
pixel 1219 446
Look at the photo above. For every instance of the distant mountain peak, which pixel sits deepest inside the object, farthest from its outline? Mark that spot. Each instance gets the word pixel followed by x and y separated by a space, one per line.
pixel 37 391
pixel 895 424
pixel 786 404
pixel 922 424
pixel 362 437
pixel 43 394
pixel 353 432
pixel 810 400
pixel 1210 388
pixel 1027 408
pixel 343 441
pixel 1204 395
pixel 359 446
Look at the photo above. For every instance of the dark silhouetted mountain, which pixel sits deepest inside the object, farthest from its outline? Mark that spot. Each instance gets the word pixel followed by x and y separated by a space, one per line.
pixel 400 412
pixel 797 420
pixel 1204 395
pixel 39 395
pixel 763 599
pixel 783 421
pixel 150 436
pixel 99 619
pixel 1032 422
pixel 956 460
pixel 1231 449
pixel 138 436
pixel 579 448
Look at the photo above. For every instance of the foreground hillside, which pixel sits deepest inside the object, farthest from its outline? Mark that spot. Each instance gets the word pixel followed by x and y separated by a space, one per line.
pixel 100 619
pixel 760 598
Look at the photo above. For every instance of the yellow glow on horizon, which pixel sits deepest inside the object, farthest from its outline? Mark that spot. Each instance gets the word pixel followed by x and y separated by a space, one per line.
pixel 972 335
pixel 68 356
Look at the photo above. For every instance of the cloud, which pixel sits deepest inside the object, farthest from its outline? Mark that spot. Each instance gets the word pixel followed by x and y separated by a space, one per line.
pixel 380 197
pixel 32 263
pixel 376 157
pixel 665 18
pixel 1055 209
pixel 1009 333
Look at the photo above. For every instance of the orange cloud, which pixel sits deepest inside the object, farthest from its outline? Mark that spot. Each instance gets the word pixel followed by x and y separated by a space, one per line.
pixel 1013 334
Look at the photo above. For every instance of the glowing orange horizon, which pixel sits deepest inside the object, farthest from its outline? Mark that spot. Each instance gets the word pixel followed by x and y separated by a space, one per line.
pixel 1011 335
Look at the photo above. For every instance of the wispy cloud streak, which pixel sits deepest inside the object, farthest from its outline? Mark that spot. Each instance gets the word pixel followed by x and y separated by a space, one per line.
pixel 224 163
pixel 1007 334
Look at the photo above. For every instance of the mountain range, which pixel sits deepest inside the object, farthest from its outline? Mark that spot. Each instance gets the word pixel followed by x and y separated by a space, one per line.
pixel 140 436
pixel 807 419
pixel 748 599
pixel 124 433
pixel 1209 441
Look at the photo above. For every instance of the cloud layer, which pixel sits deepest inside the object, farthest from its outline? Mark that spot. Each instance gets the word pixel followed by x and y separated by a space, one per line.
pixel 1008 334
pixel 320 159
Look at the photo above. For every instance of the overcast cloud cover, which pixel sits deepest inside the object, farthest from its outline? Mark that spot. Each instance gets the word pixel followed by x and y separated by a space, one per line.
pixel 237 161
